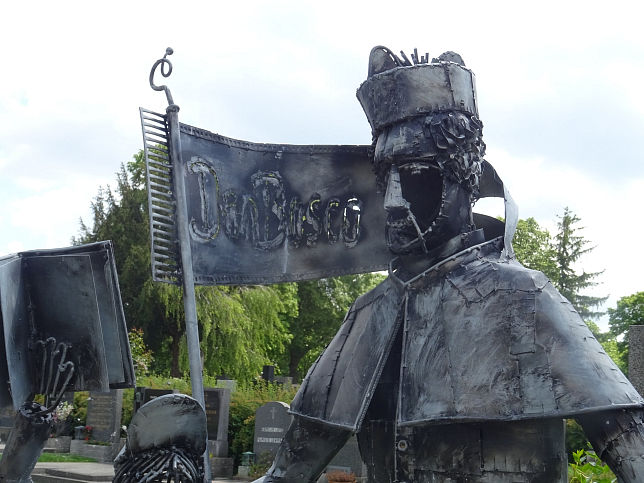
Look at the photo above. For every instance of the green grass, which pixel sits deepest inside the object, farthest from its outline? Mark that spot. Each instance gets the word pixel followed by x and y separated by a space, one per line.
pixel 63 458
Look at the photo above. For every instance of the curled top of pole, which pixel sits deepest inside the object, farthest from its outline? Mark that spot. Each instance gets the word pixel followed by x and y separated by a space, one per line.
pixel 166 70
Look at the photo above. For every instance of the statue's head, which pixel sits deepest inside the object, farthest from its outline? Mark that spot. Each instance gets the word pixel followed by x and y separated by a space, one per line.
pixel 428 146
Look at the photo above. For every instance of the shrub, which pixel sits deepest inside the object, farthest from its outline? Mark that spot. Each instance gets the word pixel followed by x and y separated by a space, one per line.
pixel 244 402
pixel 588 468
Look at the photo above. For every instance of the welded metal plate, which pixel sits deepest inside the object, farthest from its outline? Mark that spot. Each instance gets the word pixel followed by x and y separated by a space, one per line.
pixel 264 213
pixel 71 295
pixel 267 213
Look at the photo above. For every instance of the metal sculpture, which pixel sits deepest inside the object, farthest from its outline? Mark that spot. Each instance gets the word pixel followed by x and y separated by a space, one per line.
pixel 165 442
pixel 462 365
pixel 62 329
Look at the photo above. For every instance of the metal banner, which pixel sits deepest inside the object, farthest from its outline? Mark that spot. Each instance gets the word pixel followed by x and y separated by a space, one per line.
pixel 64 297
pixel 264 213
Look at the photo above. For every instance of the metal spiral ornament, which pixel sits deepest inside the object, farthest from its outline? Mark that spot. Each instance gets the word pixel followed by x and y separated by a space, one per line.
pixel 166 70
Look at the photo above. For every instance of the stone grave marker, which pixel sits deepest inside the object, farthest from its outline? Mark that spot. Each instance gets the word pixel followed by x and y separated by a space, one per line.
pixel 104 414
pixel 143 395
pixel 7 415
pixel 271 422
pixel 636 357
pixel 217 401
pixel 348 459
pixel 217 410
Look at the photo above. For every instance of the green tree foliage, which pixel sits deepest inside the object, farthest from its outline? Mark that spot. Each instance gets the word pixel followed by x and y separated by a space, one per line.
pixel 534 248
pixel 241 328
pixel 322 305
pixel 629 311
pixel 571 245
pixel 586 467
pixel 141 355
pixel 557 257
pixel 245 401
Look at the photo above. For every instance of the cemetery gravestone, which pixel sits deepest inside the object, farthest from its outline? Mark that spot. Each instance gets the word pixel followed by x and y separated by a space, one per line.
pixel 7 414
pixel 271 422
pixel 348 459
pixel 636 357
pixel 217 410
pixel 104 415
pixel 143 395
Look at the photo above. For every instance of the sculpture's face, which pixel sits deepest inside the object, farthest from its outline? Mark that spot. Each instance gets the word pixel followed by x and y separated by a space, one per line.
pixel 413 200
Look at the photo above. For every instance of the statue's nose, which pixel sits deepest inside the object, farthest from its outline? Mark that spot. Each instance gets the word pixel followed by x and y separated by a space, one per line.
pixel 394 199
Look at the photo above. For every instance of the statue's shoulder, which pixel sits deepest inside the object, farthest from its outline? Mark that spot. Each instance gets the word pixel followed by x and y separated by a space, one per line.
pixel 492 275
pixel 383 291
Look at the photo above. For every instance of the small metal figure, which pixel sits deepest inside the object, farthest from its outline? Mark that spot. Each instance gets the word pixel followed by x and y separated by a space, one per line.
pixel 165 442
pixel 462 365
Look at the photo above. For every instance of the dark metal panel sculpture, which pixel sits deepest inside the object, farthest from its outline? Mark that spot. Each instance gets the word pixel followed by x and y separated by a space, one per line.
pixel 69 295
pixel 182 242
pixel 462 364
pixel 63 328
pixel 267 213
pixel 264 213
pixel 161 204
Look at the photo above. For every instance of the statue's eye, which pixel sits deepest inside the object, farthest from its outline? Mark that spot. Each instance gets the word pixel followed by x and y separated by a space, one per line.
pixel 422 187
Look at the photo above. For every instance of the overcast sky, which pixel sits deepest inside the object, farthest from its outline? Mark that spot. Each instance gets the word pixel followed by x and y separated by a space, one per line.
pixel 559 89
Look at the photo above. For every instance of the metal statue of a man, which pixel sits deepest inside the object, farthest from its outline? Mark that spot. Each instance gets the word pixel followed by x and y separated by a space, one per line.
pixel 462 365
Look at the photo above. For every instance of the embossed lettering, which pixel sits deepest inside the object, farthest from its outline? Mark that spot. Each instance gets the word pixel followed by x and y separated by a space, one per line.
pixel 264 219
pixel 269 192
pixel 208 229
pixel 351 222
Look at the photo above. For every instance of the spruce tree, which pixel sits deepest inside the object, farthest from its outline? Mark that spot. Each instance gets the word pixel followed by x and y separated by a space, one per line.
pixel 570 246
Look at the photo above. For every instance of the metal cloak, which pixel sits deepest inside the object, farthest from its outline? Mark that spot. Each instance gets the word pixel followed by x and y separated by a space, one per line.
pixel 483 339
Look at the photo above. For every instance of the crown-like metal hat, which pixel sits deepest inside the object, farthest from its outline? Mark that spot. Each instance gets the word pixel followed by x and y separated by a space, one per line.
pixel 397 89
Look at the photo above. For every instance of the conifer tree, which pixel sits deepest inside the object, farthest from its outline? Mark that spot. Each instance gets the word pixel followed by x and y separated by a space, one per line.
pixel 570 246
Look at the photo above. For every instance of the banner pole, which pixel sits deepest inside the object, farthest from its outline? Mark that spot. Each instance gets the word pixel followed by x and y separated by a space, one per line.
pixel 187 276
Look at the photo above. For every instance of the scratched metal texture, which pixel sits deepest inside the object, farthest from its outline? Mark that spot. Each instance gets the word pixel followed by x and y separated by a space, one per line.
pixel 72 295
pixel 218 165
pixel 484 339
pixel 334 172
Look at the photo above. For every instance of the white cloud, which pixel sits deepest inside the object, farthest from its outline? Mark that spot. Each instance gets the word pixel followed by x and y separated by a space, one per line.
pixel 558 92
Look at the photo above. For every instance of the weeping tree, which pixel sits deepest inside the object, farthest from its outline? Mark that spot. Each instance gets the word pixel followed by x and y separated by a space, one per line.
pixel 321 307
pixel 241 328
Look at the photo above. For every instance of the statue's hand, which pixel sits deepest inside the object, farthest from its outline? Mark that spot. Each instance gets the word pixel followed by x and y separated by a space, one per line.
pixel 55 371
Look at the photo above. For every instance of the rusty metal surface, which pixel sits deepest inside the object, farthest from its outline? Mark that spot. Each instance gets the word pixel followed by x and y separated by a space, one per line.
pixel 69 295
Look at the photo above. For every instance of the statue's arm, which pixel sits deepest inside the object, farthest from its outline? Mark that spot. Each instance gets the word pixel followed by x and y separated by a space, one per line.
pixel 618 439
pixel 31 428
